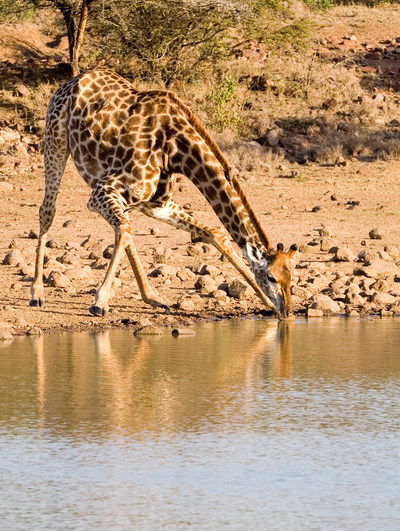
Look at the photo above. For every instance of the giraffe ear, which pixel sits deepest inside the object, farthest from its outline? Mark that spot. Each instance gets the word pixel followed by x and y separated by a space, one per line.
pixel 292 253
pixel 253 252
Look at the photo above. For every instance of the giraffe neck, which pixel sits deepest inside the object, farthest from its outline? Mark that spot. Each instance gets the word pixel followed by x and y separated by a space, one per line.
pixel 227 168
pixel 230 208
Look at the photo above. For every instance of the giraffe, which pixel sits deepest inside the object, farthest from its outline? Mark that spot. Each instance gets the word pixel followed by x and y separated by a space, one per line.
pixel 128 146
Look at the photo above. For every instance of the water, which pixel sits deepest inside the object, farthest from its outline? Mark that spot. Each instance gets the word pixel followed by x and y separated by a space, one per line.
pixel 253 424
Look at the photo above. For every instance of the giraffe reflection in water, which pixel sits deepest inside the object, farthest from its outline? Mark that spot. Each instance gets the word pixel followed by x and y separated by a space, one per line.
pixel 109 383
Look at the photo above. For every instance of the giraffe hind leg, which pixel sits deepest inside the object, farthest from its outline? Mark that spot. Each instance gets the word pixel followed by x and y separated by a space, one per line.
pixel 56 154
pixel 108 203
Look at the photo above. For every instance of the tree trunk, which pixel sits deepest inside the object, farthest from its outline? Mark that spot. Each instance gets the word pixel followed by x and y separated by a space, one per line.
pixel 79 37
pixel 66 12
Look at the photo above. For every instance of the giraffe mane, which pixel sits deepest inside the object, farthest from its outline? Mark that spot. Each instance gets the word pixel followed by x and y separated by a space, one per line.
pixel 199 127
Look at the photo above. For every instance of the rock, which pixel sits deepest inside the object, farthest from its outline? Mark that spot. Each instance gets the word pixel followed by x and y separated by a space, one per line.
pixel 183 332
pixel 354 299
pixel 325 231
pixel 51 263
pixel 88 241
pixel 380 285
pixel 186 305
pixel 201 248
pixel 148 330
pixel 22 91
pixel 5 335
pixel 344 254
pixel 311 312
pixel 58 280
pixel 383 298
pixel 70 223
pixel 52 244
pixel 376 234
pixel 185 274
pixel 9 136
pixel 307 249
pixel 35 331
pixel 6 187
pixel 220 295
pixel 108 251
pixel 326 304
pixel 377 268
pixel 367 256
pixel 326 244
pixel 208 269
pixel 237 289
pixel 161 254
pixel 27 271
pixel 79 273
pixel 33 235
pixel 14 258
pixel 206 284
pixel 353 313
pixel 383 255
pixel 392 251
pixel 163 270
pixel 69 258
pixel 302 293
pixel 100 263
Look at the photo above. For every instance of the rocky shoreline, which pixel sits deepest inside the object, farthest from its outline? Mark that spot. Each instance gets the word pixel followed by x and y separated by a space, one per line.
pixel 329 279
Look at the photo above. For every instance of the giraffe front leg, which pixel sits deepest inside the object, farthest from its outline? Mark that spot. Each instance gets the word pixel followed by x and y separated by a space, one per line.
pixel 174 214
pixel 148 293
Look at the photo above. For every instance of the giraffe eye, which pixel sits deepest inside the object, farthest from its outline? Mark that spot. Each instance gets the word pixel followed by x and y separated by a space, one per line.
pixel 271 278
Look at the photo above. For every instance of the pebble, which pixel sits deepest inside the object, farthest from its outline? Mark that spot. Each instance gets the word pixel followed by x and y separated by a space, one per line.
pixel 163 270
pixel 108 251
pixel 14 258
pixel 183 332
pixel 376 234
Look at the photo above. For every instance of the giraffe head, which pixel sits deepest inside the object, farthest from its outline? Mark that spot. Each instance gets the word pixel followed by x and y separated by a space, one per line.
pixel 272 271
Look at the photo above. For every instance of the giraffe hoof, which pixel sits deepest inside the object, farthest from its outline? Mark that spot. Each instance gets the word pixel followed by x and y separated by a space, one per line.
pixel 37 302
pixel 97 311
pixel 165 307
